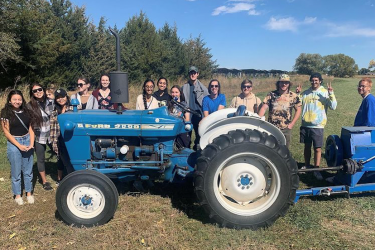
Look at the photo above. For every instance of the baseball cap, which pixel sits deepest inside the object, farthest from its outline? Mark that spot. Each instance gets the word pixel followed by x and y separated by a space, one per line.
pixel 284 78
pixel 193 68
pixel 60 93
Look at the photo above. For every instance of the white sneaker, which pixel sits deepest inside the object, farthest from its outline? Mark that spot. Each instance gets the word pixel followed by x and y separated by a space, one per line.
pixel 19 201
pixel 305 167
pixel 318 175
pixel 30 199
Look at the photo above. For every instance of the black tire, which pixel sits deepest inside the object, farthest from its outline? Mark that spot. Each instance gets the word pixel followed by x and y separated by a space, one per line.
pixel 245 179
pixel 100 203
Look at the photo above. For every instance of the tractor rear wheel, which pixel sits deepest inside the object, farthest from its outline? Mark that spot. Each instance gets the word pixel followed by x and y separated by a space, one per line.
pixel 86 198
pixel 245 179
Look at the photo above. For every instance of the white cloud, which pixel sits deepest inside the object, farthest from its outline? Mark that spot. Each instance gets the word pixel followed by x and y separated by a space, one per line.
pixel 234 8
pixel 348 30
pixel 288 24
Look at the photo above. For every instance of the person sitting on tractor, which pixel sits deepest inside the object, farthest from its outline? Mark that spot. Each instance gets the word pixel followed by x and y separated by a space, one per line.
pixel 366 112
pixel 246 98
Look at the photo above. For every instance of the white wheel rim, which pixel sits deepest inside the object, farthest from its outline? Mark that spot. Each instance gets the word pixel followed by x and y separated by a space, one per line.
pixel 85 201
pixel 247 184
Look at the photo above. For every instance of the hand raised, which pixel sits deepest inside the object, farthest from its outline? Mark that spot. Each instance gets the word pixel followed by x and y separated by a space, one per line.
pixel 329 87
pixel 299 88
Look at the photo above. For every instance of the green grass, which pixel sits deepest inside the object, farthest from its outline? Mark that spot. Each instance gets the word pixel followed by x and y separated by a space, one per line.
pixel 170 218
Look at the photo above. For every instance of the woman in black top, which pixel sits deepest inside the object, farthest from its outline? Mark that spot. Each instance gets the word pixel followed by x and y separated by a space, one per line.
pixel 16 122
pixel 162 94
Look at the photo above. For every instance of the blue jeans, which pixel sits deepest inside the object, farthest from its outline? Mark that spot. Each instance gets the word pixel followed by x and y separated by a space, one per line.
pixel 21 161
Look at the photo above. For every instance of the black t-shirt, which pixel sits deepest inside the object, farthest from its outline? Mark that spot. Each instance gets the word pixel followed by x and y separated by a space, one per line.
pixel 15 126
pixel 164 99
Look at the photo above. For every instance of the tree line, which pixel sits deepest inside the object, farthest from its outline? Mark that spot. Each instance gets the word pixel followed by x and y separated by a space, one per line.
pixel 54 42
pixel 338 65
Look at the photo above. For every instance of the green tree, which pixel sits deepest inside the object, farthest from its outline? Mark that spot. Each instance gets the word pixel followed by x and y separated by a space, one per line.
pixel 340 65
pixel 308 63
pixel 101 58
pixel 363 71
pixel 199 55
pixel 173 55
pixel 141 50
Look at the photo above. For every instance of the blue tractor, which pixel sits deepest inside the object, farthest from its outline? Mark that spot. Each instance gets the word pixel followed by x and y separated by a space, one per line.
pixel 243 176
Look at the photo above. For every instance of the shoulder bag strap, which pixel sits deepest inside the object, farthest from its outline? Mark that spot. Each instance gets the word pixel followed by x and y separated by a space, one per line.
pixel 21 122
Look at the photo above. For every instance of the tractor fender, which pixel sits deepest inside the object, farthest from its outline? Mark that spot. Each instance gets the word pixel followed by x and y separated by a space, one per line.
pixel 222 127
pixel 220 115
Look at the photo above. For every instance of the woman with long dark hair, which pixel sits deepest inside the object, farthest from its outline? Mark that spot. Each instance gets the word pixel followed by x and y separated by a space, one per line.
pixel 146 100
pixel 62 104
pixel 182 140
pixel 103 93
pixel 16 122
pixel 41 108
pixel 162 93
pixel 86 100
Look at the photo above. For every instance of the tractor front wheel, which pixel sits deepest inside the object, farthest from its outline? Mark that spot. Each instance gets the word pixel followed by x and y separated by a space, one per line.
pixel 86 198
pixel 245 179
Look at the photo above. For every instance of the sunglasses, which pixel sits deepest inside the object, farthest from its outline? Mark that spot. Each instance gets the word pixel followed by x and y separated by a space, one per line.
pixel 214 86
pixel 37 90
pixel 80 85
pixel 247 87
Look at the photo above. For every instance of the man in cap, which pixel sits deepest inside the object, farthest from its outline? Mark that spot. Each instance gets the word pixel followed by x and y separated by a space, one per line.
pixel 315 103
pixel 281 103
pixel 194 92
pixel 366 112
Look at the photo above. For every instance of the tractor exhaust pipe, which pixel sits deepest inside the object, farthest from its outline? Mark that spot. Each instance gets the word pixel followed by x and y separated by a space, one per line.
pixel 118 58
pixel 119 80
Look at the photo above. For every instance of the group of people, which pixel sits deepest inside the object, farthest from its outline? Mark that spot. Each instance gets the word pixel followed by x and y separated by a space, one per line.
pixel 33 126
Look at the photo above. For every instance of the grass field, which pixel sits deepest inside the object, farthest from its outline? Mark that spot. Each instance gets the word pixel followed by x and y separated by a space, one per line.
pixel 169 218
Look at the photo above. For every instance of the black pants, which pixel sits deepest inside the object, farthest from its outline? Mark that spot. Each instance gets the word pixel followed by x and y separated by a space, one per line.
pixel 183 140
pixel 195 121
pixel 64 163
pixel 40 151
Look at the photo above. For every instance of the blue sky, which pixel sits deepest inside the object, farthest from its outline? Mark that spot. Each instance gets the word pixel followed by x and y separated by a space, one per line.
pixel 257 34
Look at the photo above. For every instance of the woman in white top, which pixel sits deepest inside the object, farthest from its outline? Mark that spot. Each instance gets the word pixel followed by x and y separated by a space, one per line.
pixel 146 100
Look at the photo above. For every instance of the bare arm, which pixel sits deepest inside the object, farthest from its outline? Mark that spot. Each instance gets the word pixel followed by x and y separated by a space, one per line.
pixel 32 137
pixel 187 117
pixel 263 109
pixel 205 113
pixel 220 107
pixel 5 127
pixel 296 116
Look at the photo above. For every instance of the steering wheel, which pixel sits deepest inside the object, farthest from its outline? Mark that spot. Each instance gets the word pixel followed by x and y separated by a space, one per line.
pixel 185 108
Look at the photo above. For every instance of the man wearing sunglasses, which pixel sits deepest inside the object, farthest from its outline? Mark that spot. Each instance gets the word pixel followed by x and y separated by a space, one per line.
pixel 215 100
pixel 247 97
pixel 194 92
pixel 281 103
